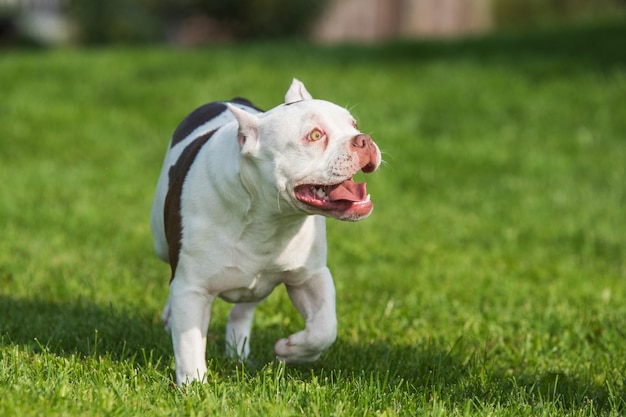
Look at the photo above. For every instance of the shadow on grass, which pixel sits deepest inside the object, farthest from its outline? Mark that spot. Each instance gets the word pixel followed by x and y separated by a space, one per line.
pixel 433 371
pixel 428 371
pixel 457 375
pixel 82 328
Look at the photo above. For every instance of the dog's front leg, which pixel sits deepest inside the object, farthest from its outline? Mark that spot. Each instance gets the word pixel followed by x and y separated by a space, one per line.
pixel 315 300
pixel 189 316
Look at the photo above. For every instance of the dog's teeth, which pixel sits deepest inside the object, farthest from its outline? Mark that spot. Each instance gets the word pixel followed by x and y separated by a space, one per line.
pixel 319 191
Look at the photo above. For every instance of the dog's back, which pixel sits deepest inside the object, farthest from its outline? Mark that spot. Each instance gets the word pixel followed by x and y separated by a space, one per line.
pixel 200 122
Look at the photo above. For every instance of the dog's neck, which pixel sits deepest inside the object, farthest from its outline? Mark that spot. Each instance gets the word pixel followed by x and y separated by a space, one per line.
pixel 261 219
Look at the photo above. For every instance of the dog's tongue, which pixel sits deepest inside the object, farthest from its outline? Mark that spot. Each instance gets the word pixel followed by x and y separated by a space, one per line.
pixel 347 191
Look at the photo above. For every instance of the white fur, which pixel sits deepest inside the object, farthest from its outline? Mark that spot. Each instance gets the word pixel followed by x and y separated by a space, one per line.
pixel 244 232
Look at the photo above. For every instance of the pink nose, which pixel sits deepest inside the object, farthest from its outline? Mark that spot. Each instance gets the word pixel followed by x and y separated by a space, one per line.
pixel 369 157
pixel 361 140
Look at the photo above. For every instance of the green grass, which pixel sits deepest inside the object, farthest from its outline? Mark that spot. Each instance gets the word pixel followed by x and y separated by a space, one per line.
pixel 490 279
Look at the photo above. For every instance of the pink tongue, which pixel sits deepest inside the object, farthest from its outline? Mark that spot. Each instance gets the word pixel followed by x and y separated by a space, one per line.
pixel 347 191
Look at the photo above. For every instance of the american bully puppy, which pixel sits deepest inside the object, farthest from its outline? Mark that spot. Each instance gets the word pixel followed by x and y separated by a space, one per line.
pixel 240 208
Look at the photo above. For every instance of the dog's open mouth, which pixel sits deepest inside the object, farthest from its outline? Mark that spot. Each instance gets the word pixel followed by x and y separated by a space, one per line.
pixel 347 200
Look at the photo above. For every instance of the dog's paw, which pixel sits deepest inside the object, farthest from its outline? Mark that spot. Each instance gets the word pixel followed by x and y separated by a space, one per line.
pixel 290 353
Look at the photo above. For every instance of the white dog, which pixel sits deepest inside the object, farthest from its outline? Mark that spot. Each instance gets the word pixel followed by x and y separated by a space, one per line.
pixel 239 209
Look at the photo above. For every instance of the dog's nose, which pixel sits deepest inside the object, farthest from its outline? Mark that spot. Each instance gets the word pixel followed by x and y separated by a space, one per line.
pixel 361 140
pixel 369 156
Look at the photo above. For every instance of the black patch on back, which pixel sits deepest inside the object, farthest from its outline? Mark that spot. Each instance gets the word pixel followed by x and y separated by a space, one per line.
pixel 171 211
pixel 203 114
pixel 197 118
pixel 245 102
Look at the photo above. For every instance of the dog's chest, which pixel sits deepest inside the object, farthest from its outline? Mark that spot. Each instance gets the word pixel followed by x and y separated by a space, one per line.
pixel 247 283
pixel 248 274
pixel 258 287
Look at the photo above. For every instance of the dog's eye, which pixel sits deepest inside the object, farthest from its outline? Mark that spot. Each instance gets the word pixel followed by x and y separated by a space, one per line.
pixel 355 125
pixel 316 135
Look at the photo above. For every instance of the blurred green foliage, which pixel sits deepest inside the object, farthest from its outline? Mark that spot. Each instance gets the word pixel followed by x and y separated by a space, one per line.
pixel 538 12
pixel 264 18
pixel 151 21
pixel 107 21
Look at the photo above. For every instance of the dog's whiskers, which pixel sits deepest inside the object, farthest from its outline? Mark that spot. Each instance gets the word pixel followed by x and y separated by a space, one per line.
pixel 278 200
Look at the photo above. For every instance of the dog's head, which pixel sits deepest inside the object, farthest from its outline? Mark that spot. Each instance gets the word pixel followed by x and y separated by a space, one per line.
pixel 308 152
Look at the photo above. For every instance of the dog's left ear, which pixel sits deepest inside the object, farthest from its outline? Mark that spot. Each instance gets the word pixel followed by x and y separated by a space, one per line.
pixel 297 92
pixel 248 134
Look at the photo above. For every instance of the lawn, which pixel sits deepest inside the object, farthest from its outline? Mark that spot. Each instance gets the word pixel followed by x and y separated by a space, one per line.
pixel 490 279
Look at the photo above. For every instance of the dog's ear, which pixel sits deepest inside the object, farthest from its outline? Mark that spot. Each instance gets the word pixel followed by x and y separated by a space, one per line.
pixel 248 134
pixel 297 92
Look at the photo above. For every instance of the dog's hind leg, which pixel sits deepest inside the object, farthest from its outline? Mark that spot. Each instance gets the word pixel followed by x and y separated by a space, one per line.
pixel 165 316
pixel 238 330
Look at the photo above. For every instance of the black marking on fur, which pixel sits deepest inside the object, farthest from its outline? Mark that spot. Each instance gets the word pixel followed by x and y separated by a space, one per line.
pixel 197 118
pixel 245 102
pixel 203 114
pixel 171 212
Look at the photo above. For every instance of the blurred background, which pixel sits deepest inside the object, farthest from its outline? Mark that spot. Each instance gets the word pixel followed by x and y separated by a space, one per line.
pixel 492 273
pixel 197 22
